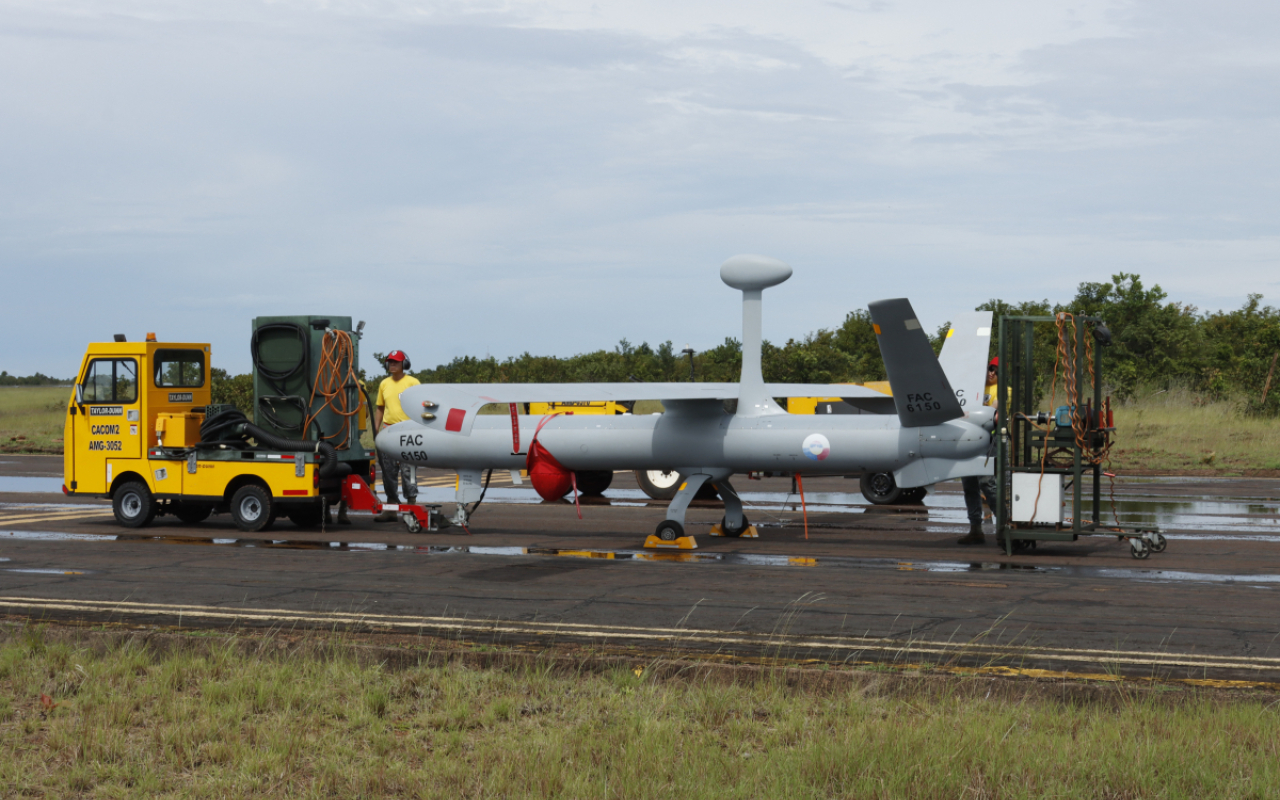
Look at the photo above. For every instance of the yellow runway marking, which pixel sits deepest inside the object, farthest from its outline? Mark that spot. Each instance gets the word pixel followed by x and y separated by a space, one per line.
pixel 54 516
pixel 842 648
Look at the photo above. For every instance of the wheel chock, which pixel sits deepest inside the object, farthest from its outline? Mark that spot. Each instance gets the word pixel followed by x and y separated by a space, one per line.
pixel 681 543
pixel 749 533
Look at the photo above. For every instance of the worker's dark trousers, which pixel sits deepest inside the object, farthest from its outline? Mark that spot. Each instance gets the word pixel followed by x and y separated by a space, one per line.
pixel 397 472
pixel 975 489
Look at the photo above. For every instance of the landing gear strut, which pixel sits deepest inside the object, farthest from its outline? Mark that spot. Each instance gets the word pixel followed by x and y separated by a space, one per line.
pixel 670 532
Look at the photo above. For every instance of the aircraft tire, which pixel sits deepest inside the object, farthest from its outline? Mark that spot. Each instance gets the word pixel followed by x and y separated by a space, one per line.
pixel 669 530
pixel 664 484
pixel 593 481
pixel 880 488
pixel 732 533
pixel 659 484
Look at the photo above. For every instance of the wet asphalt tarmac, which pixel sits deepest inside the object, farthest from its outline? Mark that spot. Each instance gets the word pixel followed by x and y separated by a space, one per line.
pixel 867 584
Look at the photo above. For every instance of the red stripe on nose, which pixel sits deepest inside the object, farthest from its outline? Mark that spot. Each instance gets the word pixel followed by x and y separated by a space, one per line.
pixel 454 422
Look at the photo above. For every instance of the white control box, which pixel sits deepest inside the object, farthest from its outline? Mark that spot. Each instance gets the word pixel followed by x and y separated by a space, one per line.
pixel 1025 506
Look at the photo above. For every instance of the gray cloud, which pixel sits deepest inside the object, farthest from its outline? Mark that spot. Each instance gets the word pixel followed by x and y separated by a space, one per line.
pixel 476 181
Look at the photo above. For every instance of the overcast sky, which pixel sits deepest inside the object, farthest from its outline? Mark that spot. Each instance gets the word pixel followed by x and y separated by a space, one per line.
pixel 496 177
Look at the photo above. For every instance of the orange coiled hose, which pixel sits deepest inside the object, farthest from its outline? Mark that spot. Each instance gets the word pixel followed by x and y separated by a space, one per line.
pixel 335 375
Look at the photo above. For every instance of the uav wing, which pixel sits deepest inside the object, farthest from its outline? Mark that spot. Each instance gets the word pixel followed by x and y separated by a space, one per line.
pixel 453 406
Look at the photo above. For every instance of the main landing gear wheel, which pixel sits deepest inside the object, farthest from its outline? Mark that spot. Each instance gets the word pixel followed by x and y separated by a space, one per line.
pixel 133 505
pixel 669 530
pixel 734 533
pixel 880 488
pixel 251 508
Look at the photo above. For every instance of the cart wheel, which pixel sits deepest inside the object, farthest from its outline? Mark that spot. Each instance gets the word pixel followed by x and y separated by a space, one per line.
pixel 1158 543
pixel 133 505
pixel 251 508
pixel 1138 548
pixel 670 530
pixel 411 522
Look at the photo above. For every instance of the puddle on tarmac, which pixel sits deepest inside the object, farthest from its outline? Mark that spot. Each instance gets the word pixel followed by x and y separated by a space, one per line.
pixel 1134 509
pixel 727 559
pixel 23 484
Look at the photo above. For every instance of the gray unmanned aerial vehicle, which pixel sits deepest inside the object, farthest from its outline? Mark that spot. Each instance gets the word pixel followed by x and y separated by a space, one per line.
pixel 940 431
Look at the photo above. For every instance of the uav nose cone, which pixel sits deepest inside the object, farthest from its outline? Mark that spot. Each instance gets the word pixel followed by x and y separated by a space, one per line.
pixel 747 272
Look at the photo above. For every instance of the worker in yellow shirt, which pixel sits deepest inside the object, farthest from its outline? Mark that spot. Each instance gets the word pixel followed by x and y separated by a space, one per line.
pixel 389 412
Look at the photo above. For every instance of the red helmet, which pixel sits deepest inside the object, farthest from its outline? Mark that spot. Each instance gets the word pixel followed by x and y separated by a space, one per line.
pixel 994 362
pixel 398 355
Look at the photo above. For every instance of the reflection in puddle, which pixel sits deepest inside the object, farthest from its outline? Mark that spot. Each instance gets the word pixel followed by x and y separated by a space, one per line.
pixel 728 559
pixel 10 483
pixel 53 536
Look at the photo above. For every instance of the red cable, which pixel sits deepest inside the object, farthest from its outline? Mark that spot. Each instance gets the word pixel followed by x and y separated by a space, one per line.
pixel 804 508
pixel 573 478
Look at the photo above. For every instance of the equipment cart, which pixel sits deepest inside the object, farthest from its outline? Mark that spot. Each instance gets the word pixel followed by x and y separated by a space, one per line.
pixel 1043 457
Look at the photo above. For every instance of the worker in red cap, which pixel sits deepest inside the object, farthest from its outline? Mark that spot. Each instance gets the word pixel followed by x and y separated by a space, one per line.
pixel 975 488
pixel 389 412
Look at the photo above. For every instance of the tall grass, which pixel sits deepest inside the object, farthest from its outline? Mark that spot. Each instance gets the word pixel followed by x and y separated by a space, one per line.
pixel 215 722
pixel 31 418
pixel 1176 429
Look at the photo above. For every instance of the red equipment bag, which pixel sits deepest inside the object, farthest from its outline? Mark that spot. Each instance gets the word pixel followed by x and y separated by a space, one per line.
pixel 549 477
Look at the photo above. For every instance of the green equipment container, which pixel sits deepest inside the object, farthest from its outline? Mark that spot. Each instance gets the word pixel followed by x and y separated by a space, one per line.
pixel 304 384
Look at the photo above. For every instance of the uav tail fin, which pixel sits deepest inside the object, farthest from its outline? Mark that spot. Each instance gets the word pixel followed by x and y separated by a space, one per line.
pixel 964 356
pixel 921 392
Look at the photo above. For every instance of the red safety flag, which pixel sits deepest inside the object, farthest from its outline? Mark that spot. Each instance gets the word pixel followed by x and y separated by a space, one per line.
pixel 515 429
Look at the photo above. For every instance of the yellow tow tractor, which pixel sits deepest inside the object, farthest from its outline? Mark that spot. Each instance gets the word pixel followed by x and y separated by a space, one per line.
pixel 141 430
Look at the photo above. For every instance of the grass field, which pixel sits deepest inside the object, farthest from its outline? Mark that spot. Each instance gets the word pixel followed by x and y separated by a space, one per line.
pixel 31 418
pixel 221 716
pixel 1174 431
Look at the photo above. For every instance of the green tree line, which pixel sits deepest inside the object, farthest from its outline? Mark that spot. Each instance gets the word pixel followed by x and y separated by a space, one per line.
pixel 1156 343
pixel 39 379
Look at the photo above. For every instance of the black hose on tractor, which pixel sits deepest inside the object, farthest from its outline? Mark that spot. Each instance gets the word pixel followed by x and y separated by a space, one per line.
pixel 232 425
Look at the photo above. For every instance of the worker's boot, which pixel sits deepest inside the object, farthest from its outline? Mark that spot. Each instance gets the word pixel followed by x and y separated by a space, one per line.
pixel 975 535
pixel 342 514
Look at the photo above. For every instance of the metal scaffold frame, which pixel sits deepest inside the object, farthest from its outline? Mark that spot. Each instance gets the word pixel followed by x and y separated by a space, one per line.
pixel 1033 441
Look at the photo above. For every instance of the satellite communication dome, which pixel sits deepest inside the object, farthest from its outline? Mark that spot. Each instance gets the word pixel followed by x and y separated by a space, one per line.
pixel 748 272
